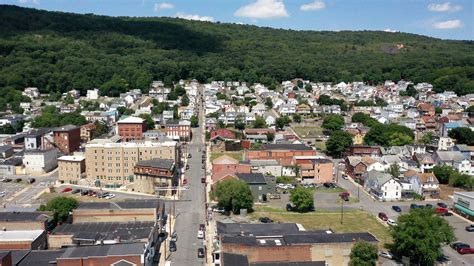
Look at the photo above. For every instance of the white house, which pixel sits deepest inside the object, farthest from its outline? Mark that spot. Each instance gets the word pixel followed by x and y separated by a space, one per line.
pixel 270 120
pixel 383 186
pixel 287 109
pixel 422 183
pixel 40 161
pixel 445 143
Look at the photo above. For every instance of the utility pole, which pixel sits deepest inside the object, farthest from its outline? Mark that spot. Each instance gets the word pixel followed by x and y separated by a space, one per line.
pixel 342 210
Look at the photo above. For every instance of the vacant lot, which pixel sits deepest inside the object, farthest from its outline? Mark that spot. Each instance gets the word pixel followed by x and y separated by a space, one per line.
pixel 308 132
pixel 354 221
pixel 234 154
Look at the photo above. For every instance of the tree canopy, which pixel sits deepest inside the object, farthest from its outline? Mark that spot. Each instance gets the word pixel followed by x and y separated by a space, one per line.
pixel 389 135
pixel 363 254
pixel 233 195
pixel 60 206
pixel 51 117
pixel 302 198
pixel 419 235
pixel 462 135
pixel 63 51
pixel 333 122
pixel 338 142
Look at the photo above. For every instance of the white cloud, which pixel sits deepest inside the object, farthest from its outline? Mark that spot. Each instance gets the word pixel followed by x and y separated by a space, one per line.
pixel 160 6
pixel 263 9
pixel 36 2
pixel 390 30
pixel 444 7
pixel 194 17
pixel 448 24
pixel 316 5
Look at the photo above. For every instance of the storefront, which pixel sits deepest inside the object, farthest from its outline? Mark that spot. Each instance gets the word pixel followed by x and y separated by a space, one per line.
pixel 464 204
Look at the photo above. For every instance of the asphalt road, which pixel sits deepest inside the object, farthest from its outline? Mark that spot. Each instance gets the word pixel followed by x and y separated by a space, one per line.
pixel 190 210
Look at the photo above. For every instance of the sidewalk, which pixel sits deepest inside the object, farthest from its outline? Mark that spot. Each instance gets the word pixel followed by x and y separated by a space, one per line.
pixel 164 246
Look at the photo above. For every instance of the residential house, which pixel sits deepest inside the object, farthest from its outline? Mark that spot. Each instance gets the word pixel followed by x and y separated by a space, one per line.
pixel 303 109
pixel 287 109
pixel 383 186
pixel 87 132
pixel 92 94
pixel 445 143
pixel 150 174
pixel 356 166
pixel 178 130
pixel 266 167
pixel 425 184
pixel 67 138
pixel 363 150
pixel 259 184
pixel 426 162
pixel 456 159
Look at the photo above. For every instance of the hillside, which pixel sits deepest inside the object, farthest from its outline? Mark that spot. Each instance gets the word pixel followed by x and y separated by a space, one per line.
pixel 58 51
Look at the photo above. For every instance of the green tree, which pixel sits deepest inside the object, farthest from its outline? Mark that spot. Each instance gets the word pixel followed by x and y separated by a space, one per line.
pixel 438 110
pixel 461 180
pixel 101 128
pixel 302 198
pixel 194 121
pixel 114 86
pixel 462 135
pixel 333 122
pixel 297 118
pixel 394 170
pixel 269 103
pixel 270 137
pixel 419 235
pixel 150 123
pixel 122 110
pixel 363 254
pixel 426 138
pixel 338 142
pixel 399 139
pixel 308 87
pixel 282 122
pixel 233 195
pixel 259 122
pixel 185 100
pixel 54 96
pixel 175 112
pixel 365 119
pixel 7 129
pixel 61 207
pixel 68 99
pixel 239 123
pixel 387 135
pixel 443 173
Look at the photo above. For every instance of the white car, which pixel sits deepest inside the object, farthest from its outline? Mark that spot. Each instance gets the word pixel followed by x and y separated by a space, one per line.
pixel 2 194
pixel 200 234
pixel 110 196
pixel 391 222
pixel 386 254
pixel 290 186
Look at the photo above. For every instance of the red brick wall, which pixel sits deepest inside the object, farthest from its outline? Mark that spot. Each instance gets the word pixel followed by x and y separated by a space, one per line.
pixel 7 260
pixel 270 253
pixel 68 141
pixel 284 157
pixel 15 245
pixel 219 170
pixel 98 261
pixel 131 131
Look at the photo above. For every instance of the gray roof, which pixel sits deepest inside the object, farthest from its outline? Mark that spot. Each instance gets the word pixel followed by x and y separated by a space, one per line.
pixel 264 162
pixel 127 204
pixel 24 216
pixel 379 177
pixel 298 147
pixel 5 148
pixel 107 231
pixel 256 229
pixel 446 156
pixel 41 257
pixel 104 250
pixel 290 263
pixel 157 163
pixel 65 128
pixel 252 178
pixel 229 259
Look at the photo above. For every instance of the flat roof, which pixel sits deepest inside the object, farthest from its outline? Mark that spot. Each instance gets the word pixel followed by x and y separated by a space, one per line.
pixel 23 216
pixel 41 258
pixel 104 250
pixel 465 194
pixel 256 229
pixel 158 163
pixel 71 158
pixel 127 231
pixel 65 128
pixel 131 120
pixel 143 144
pixel 21 235
pixel 127 204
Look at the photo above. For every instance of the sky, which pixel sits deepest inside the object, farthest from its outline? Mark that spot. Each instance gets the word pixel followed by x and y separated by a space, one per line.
pixel 451 19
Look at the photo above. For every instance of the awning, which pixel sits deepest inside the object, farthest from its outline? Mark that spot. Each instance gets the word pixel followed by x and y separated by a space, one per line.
pixel 464 209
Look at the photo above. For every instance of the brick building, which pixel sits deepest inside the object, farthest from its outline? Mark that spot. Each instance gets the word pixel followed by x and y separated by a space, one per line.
pixel 131 128
pixel 225 165
pixel 150 174
pixel 14 221
pixel 71 168
pixel 67 138
pixel 23 239
pixel 87 132
pixel 315 170
pixel 178 130
pixel 283 153
pixel 363 150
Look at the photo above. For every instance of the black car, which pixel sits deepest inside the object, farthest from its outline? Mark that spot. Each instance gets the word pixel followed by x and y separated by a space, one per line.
pixel 446 214
pixel 396 208
pixel 187 167
pixel 265 220
pixel 470 228
pixel 200 253
pixel 84 192
pixel 6 180
pixel 30 180
pixel 289 207
pixel 18 180
pixel 429 206
pixel 442 205
pixel 189 155
pixel 75 191
pixel 172 246
pixel 458 245
pixel 415 206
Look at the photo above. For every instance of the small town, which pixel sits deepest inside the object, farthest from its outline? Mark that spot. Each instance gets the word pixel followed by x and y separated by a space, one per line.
pixel 236 133
pixel 231 171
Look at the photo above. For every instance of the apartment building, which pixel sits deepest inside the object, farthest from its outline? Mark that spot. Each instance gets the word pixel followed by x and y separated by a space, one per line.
pixel 178 130
pixel 67 138
pixel 315 170
pixel 131 128
pixel 112 164
pixel 71 168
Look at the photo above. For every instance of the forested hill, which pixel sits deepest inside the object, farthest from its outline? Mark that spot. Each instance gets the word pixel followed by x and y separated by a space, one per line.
pixel 59 51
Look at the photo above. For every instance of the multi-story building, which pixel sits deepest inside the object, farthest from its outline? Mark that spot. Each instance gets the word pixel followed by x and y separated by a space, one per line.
pixel 284 153
pixel 178 130
pixel 87 132
pixel 112 164
pixel 150 174
pixel 315 170
pixel 131 128
pixel 67 138
pixel 40 161
pixel 71 168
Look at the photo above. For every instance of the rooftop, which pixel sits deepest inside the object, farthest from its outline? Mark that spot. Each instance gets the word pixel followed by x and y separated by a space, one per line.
pixel 65 128
pixel 256 229
pixel 23 216
pixel 72 158
pixel 298 147
pixel 157 163
pixel 131 120
pixel 104 250
pixel 127 204
pixel 20 235
pixel 107 231
pixel 41 257
pixel 143 144
pixel 252 178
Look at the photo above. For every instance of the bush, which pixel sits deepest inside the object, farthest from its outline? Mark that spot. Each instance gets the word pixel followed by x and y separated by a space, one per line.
pixel 61 207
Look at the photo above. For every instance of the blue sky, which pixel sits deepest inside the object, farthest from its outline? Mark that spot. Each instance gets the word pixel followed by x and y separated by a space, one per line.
pixel 451 19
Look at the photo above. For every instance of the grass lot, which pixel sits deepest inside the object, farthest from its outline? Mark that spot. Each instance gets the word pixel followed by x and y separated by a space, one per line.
pixel 354 221
pixel 45 197
pixel 308 132
pixel 320 145
pixel 234 154
pixel 329 190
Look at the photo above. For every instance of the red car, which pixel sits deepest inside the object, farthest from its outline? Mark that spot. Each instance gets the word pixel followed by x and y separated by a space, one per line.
pixel 68 189
pixel 383 216
pixel 465 250
pixel 345 196
pixel 441 210
pixel 185 181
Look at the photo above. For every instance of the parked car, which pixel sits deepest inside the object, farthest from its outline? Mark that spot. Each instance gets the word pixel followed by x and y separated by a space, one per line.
pixel 429 206
pixel 110 196
pixel 84 192
pixel 189 155
pixel 386 254
pixel 30 180
pixel 470 228
pixel 200 253
pixel 174 236
pixel 6 180
pixel 442 205
pixel 391 222
pixel 463 251
pixel 187 167
pixel 441 210
pixel 218 209
pixel 344 196
pixel 2 194
pixel 65 190
pixel 265 220
pixel 396 208
pixel 185 181
pixel 75 191
pixel 202 227
pixel 415 206
pixel 344 176
pixel 200 234
pixel 172 246
pixel 447 214
pixel 383 216
pixel 458 245
pixel 203 180
pixel 18 180
pixel 289 207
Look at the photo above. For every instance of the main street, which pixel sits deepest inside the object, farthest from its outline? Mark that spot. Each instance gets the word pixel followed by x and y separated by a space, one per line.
pixel 190 210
